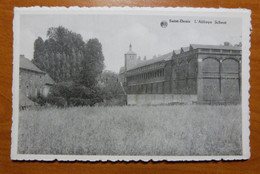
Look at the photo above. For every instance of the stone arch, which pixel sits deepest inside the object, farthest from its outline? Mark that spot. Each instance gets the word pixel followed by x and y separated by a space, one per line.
pixel 230 65
pixel 211 81
pixel 211 64
pixel 230 80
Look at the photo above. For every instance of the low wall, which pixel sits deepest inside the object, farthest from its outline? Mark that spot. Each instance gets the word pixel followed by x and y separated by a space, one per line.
pixel 153 99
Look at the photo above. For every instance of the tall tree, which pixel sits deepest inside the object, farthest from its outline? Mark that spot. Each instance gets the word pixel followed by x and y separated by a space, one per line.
pixel 39 51
pixel 65 56
pixel 92 63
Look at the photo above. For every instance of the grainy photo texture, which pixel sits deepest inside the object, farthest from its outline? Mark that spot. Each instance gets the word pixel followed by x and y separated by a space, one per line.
pixel 130 84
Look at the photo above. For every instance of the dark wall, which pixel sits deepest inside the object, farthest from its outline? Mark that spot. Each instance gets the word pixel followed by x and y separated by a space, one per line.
pixel 213 77
pixel 219 79
pixel 184 73
pixel 31 83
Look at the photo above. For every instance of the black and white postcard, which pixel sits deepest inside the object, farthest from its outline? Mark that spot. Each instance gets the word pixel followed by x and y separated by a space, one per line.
pixel 130 84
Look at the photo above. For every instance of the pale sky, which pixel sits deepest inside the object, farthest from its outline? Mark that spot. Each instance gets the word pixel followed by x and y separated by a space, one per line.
pixel 115 33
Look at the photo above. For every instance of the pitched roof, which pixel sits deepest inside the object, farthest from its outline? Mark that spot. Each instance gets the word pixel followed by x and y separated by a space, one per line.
pixel 28 65
pixel 185 49
pixel 177 51
pixel 230 47
pixel 164 57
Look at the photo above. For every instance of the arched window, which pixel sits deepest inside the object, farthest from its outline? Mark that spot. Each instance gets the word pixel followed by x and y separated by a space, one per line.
pixel 210 65
pixel 230 65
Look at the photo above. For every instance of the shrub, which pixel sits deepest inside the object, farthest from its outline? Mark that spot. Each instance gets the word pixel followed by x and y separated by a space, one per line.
pixel 79 102
pixel 76 94
pixel 57 101
pixel 39 100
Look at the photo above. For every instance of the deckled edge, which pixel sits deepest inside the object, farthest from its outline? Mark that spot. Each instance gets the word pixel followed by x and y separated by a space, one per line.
pixel 87 158
pixel 15 97
pixel 247 29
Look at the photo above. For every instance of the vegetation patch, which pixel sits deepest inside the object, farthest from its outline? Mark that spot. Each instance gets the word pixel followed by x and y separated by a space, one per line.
pixel 132 130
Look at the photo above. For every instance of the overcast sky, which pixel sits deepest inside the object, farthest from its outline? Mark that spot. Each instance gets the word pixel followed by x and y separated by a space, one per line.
pixel 116 33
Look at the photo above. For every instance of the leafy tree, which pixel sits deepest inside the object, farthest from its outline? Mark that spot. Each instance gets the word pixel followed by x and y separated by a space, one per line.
pixel 110 86
pixel 39 51
pixel 72 63
pixel 75 93
pixel 92 63
pixel 61 54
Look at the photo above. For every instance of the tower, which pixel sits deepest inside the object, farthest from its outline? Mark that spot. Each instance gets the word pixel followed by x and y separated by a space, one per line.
pixel 130 59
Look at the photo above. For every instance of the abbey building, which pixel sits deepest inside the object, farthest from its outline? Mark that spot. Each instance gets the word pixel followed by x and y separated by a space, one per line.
pixel 195 74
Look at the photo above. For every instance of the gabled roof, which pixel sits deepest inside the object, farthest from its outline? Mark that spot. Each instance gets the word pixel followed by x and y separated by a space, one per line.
pixel 185 49
pixel 177 51
pixel 230 47
pixel 28 65
pixel 164 57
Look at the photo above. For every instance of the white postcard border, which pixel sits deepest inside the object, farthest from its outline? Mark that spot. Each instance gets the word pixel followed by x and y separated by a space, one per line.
pixel 243 13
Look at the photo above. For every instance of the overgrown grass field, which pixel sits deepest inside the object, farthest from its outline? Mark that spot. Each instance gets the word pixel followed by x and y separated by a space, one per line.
pixel 132 130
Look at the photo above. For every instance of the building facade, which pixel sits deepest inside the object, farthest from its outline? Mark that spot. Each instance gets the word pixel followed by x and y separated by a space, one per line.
pixel 194 74
pixel 33 82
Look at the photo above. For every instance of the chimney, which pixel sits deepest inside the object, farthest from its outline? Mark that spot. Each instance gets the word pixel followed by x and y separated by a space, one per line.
pixel 226 44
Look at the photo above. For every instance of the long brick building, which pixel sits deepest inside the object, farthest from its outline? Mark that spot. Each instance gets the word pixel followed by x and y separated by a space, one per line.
pixel 197 73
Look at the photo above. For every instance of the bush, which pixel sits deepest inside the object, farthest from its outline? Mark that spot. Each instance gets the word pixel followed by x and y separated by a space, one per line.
pixel 76 94
pixel 118 101
pixel 79 102
pixel 109 85
pixel 57 101
pixel 39 100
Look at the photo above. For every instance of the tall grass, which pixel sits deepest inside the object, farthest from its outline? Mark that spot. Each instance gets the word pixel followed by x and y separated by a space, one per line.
pixel 132 130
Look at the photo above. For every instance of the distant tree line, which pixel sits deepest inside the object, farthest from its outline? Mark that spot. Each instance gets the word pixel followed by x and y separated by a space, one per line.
pixel 76 67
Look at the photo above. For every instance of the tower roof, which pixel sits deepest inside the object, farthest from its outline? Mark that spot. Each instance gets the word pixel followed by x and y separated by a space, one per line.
pixel 130 50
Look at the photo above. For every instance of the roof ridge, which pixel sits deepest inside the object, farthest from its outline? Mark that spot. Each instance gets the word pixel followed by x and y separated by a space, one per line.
pixel 151 61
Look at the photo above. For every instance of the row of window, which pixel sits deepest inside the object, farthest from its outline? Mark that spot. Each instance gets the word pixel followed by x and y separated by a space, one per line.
pixel 147 68
pixel 149 75
pixel 178 87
